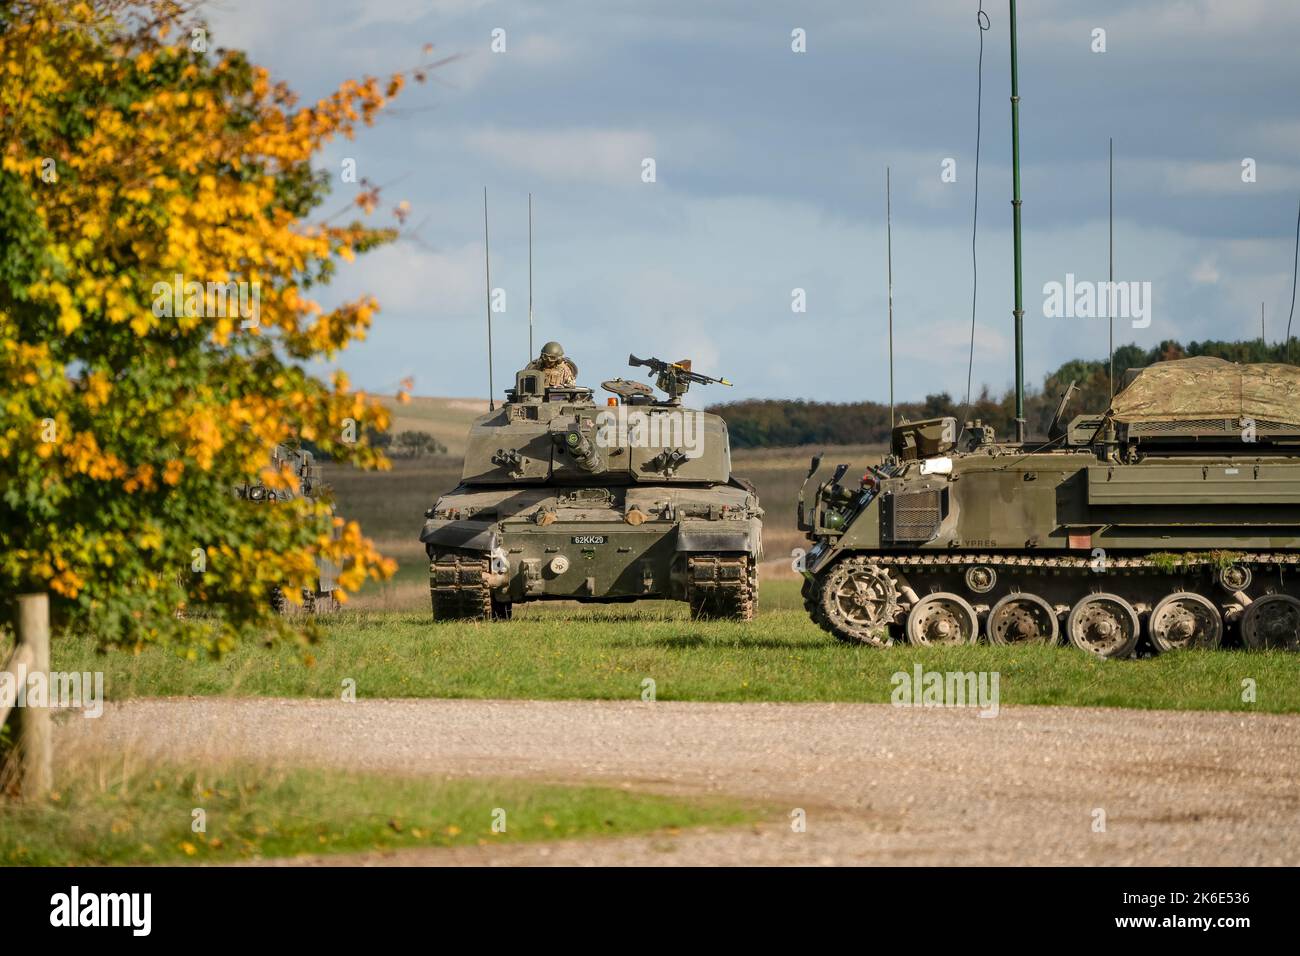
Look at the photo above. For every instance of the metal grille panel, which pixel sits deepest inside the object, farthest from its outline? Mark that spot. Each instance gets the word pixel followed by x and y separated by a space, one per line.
pixel 915 516
pixel 1207 426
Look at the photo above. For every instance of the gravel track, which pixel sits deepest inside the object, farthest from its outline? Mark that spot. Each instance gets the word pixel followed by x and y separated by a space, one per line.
pixel 878 784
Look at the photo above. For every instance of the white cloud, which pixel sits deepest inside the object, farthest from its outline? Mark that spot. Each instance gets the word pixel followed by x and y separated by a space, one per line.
pixel 408 11
pixel 540 49
pixel 414 281
pixel 1206 272
pixel 607 156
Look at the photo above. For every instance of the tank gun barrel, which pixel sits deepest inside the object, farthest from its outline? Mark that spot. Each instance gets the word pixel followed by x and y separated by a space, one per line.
pixel 573 440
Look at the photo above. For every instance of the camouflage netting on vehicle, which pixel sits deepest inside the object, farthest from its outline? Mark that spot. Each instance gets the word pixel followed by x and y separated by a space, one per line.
pixel 1211 388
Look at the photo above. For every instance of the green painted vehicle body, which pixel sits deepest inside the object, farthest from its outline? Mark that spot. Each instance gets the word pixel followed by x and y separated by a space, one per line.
pixel 1143 503
pixel 565 498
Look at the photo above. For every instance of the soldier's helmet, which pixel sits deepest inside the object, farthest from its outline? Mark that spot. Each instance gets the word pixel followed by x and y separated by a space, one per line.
pixel 552 352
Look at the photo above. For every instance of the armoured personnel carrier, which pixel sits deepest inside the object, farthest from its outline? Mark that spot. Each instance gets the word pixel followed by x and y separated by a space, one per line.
pixel 1173 519
pixel 302 464
pixel 1170 521
pixel 562 498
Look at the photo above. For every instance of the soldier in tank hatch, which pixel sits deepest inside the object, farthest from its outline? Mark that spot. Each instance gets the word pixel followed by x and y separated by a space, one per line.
pixel 560 371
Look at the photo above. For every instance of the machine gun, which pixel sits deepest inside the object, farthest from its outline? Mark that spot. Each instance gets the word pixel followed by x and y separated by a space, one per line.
pixel 674 378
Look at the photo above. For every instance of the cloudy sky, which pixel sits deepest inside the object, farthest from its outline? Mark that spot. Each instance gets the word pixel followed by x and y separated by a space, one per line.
pixel 770 177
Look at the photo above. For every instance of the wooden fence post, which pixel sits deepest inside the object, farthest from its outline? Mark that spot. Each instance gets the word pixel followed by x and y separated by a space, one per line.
pixel 35 751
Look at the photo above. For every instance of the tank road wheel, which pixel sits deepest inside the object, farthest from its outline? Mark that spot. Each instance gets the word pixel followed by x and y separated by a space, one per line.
pixel 1022 619
pixel 857 603
pixel 1272 622
pixel 942 618
pixel 1184 620
pixel 1104 625
pixel 458 587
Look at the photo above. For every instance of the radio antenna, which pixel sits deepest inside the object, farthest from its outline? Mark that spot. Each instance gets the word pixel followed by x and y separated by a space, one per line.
pixel 1295 271
pixel 889 274
pixel 487 273
pixel 1019 312
pixel 530 277
pixel 1110 286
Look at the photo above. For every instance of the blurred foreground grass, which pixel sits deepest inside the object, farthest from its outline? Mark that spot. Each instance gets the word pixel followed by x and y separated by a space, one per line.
pixel 103 815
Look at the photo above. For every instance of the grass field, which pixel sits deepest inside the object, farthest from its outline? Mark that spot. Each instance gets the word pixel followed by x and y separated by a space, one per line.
pixel 389 645
pixel 103 816
pixel 568 651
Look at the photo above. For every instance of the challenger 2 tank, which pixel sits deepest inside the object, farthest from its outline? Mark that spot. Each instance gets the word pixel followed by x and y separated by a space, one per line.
pixel 1170 521
pixel 564 498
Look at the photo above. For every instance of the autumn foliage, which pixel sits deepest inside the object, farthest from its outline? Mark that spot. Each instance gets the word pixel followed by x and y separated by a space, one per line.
pixel 135 155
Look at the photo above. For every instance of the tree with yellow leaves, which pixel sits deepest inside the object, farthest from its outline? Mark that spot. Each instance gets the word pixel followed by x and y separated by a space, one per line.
pixel 157 265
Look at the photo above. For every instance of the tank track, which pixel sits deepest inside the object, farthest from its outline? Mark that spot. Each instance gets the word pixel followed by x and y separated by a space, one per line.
pixel 1111 609
pixel 1189 561
pixel 722 586
pixel 457 585
pixel 312 603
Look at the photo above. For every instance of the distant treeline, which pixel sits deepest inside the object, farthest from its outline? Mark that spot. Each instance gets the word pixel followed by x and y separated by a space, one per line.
pixel 761 423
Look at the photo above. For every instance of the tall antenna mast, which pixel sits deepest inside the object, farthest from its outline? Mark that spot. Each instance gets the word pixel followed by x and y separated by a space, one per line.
pixel 1015 222
pixel 1110 285
pixel 1295 273
pixel 889 272
pixel 487 273
pixel 530 277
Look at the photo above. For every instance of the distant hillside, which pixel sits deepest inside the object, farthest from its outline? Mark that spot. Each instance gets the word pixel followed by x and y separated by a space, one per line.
pixel 446 419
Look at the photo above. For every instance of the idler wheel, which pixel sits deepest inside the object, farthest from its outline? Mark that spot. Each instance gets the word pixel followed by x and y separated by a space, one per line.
pixel 1272 623
pixel 942 618
pixel 1185 620
pixel 1104 625
pixel 1022 619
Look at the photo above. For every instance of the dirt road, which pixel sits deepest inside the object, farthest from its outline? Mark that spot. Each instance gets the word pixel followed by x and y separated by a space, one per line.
pixel 877 784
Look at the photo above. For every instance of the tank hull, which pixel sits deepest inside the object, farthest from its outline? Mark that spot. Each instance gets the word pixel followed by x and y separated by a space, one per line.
pixel 544 551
